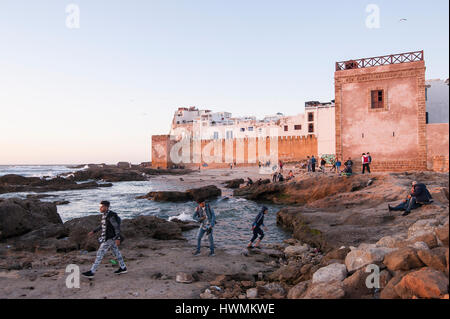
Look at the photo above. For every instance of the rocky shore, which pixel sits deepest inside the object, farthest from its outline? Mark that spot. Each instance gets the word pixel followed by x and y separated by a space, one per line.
pixel 339 225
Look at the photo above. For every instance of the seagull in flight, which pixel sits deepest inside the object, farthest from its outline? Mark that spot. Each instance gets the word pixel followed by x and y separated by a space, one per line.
pixel 403 19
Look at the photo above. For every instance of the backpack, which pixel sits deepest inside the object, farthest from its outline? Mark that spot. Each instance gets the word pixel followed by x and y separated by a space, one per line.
pixel 119 221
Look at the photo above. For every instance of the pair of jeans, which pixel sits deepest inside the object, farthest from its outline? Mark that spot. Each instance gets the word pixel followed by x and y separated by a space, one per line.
pixel 366 166
pixel 201 233
pixel 407 205
pixel 104 247
pixel 257 231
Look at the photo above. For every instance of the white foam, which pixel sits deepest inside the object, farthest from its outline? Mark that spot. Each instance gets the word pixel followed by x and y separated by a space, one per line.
pixel 183 216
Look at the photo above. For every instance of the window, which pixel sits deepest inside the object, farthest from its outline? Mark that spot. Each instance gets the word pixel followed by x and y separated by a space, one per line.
pixel 426 118
pixel 426 94
pixel 216 135
pixel 250 129
pixel 310 117
pixel 242 129
pixel 229 134
pixel 297 127
pixel 310 128
pixel 377 99
pixel 286 128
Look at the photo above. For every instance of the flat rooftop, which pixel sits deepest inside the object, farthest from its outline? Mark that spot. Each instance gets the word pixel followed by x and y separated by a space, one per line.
pixel 380 60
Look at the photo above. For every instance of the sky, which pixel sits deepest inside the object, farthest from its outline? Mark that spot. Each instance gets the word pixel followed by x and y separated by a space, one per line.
pixel 98 92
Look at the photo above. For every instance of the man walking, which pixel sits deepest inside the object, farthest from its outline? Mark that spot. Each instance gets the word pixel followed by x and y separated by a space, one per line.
pixel 110 238
pixel 256 228
pixel 205 215
pixel 308 161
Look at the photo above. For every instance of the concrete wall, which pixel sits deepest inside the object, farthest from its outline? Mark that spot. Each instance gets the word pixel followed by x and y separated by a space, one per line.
pixel 220 153
pixel 437 147
pixel 395 135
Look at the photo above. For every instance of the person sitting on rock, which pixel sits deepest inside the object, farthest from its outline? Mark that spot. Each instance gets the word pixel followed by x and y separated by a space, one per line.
pixel 110 238
pixel 256 228
pixel 205 215
pixel 419 195
pixel 290 176
pixel 249 181
pixel 280 177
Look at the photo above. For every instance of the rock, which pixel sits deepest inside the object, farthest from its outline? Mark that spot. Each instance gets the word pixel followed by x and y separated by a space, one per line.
pixel 287 273
pixel 389 241
pixel 298 290
pixel 355 286
pixel 333 272
pixel 18 217
pixel 334 290
pixel 434 258
pixel 402 259
pixel 423 283
pixel 388 292
pixel 207 295
pixel 234 183
pixel 204 193
pixel 420 245
pixel 422 226
pixel 252 293
pixel 358 258
pixel 184 278
pixel 195 194
pixel 247 284
pixel 151 226
pixel 337 254
pixel 296 250
pixel 442 234
pixel 274 289
pixel 185 225
pixel 427 237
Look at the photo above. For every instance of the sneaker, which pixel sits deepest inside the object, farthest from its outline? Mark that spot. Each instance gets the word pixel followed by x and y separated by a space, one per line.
pixel 88 274
pixel 212 254
pixel 196 253
pixel 406 213
pixel 121 271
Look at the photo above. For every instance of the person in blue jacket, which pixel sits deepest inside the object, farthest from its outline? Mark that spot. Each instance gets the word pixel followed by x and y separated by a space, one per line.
pixel 207 218
pixel 256 227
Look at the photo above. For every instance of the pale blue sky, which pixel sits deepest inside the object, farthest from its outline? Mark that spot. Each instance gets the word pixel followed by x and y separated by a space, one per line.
pixel 98 93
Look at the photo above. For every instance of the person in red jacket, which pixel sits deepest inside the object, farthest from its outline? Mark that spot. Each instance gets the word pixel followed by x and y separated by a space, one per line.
pixel 365 163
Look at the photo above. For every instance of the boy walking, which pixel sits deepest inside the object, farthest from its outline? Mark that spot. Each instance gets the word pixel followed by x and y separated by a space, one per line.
pixel 109 238
pixel 256 228
pixel 205 215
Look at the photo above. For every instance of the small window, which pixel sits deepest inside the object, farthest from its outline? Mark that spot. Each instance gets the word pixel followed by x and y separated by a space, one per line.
pixel 311 128
pixel 297 127
pixel 426 118
pixel 250 129
pixel 426 94
pixel 286 128
pixel 310 117
pixel 242 129
pixel 377 99
pixel 216 135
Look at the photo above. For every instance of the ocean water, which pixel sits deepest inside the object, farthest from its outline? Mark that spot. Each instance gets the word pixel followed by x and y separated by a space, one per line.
pixel 234 215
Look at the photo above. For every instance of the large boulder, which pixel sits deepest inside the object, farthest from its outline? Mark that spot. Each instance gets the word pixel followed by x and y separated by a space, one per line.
pixel 442 234
pixel 234 183
pixel 330 273
pixel 296 250
pixel 298 290
pixel 333 290
pixel 358 258
pixel 355 286
pixel 79 229
pixel 204 193
pixel 424 283
pixel 434 258
pixel 402 259
pixel 18 217
pixel 288 273
pixel 195 194
pixel 151 226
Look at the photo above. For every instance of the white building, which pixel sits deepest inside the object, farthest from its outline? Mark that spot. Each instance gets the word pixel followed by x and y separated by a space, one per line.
pixel 317 120
pixel 437 103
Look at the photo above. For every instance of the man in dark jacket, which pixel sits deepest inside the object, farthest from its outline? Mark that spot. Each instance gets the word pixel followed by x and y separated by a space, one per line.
pixel 256 228
pixel 109 238
pixel 419 195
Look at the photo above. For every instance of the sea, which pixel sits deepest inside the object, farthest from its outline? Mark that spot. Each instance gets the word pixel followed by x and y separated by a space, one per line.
pixel 234 215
